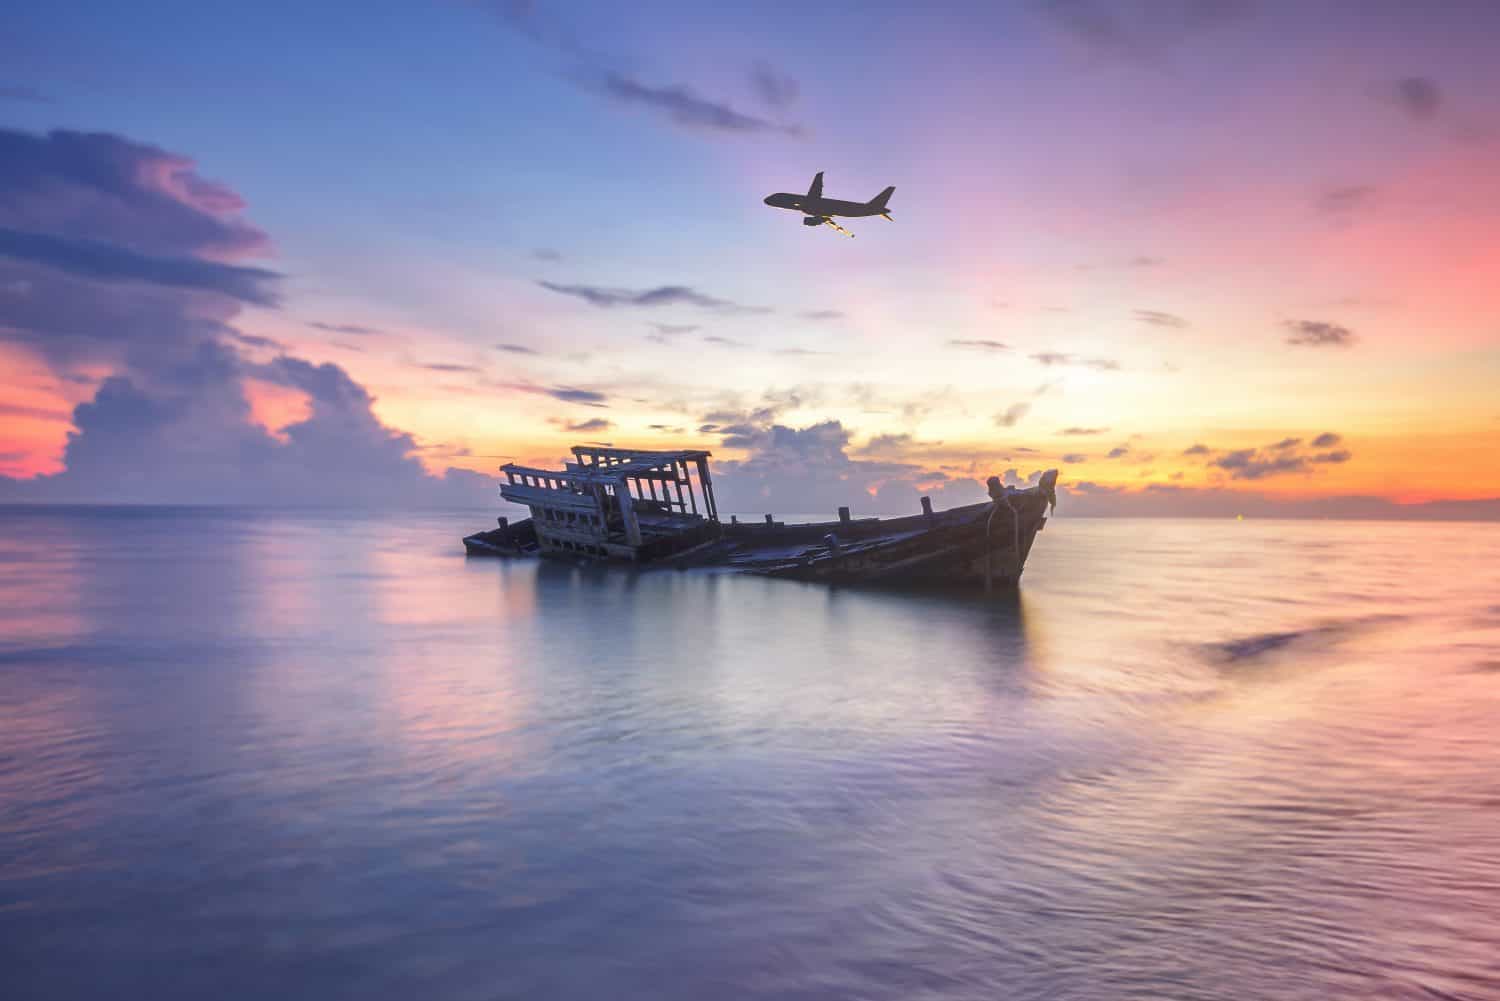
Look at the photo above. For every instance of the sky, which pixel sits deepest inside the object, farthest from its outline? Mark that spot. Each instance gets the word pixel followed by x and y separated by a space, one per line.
pixel 1206 257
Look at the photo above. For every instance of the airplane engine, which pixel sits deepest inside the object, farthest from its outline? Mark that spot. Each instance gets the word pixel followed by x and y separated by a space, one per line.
pixel 812 221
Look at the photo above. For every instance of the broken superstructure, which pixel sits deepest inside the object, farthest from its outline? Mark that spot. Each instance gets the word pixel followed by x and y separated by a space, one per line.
pixel 619 503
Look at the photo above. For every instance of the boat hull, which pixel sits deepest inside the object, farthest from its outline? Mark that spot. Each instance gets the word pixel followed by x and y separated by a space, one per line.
pixel 983 544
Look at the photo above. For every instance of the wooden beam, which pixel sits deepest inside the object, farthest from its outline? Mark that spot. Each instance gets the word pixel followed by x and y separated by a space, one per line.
pixel 627 512
pixel 651 474
pixel 708 489
pixel 537 497
pixel 627 454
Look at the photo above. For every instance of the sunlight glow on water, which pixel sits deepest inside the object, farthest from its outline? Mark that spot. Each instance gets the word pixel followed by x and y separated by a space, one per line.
pixel 247 754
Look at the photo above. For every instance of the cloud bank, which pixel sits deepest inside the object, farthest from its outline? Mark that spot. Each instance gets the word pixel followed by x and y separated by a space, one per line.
pixel 124 258
pixel 663 295
pixel 810 470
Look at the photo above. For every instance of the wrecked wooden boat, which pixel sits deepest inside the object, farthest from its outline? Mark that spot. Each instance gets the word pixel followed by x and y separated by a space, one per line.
pixel 644 507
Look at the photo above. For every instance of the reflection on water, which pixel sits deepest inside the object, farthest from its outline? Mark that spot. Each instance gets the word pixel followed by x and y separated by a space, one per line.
pixel 245 754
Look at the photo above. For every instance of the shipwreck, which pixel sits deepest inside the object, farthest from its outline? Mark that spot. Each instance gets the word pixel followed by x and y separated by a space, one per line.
pixel 657 508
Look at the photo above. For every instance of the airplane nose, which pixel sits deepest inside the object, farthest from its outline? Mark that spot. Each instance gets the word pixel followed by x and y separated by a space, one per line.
pixel 767 200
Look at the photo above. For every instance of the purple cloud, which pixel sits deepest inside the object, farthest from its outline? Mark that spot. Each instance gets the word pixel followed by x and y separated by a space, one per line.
pixel 1418 96
pixel 1343 201
pixel 567 394
pixel 681 106
pixel 1316 333
pixel 107 262
pixel 809 469
pixel 97 186
pixel 775 89
pixel 664 295
pixel 122 249
pixel 449 367
pixel 346 328
pixel 590 426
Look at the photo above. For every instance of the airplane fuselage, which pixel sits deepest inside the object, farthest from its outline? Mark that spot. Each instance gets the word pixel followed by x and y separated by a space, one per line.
pixel 820 207
pixel 819 211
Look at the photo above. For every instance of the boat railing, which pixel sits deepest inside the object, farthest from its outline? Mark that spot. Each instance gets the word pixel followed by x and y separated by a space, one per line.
pixel 550 479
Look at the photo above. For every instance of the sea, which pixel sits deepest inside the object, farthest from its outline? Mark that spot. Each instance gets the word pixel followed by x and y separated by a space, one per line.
pixel 254 754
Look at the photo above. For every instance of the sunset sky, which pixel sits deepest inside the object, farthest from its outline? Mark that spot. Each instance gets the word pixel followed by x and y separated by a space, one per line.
pixel 1202 256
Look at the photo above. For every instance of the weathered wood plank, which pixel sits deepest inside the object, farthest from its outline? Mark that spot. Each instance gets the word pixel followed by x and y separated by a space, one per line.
pixel 541 497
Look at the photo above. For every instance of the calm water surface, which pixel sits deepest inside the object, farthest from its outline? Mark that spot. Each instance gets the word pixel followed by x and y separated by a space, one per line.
pixel 246 755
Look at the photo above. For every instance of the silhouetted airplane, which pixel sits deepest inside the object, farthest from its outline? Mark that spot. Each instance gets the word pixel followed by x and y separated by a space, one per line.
pixel 820 210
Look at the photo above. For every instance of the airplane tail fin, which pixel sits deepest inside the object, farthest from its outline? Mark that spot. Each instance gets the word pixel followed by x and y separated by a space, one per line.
pixel 879 201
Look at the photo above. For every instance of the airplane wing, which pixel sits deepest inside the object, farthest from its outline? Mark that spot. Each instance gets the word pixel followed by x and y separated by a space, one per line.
pixel 829 221
pixel 816 190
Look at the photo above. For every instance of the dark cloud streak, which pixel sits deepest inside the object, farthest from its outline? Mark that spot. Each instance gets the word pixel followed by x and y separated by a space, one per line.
pixel 449 367
pixel 775 89
pixel 680 105
pixel 1139 32
pixel 1317 333
pixel 600 73
pixel 1342 202
pixel 590 426
pixel 345 328
pixel 100 261
pixel 664 295
pixel 1419 97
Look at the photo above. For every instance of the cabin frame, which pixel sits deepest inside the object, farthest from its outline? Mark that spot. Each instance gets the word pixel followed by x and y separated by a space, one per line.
pixel 620 503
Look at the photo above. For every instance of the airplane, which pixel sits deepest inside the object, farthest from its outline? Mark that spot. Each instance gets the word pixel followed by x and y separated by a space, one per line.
pixel 820 210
